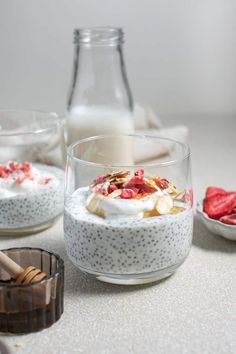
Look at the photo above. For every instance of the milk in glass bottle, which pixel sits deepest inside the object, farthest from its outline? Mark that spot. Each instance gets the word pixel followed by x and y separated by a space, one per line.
pixel 100 100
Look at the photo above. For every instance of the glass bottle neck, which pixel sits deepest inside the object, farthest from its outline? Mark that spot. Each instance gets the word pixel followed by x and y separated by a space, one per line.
pixel 99 76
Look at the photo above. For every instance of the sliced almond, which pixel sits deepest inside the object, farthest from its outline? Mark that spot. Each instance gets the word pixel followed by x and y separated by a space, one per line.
pixel 115 193
pixel 150 182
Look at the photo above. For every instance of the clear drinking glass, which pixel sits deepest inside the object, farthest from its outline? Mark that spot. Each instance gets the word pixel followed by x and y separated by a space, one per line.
pixel 134 224
pixel 32 307
pixel 100 99
pixel 31 196
pixel 35 136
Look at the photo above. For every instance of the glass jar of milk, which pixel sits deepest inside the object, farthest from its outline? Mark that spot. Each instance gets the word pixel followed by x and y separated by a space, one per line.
pixel 100 100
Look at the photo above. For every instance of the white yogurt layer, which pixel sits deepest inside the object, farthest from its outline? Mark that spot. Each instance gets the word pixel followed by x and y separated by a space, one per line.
pixel 32 202
pixel 10 188
pixel 116 208
pixel 120 208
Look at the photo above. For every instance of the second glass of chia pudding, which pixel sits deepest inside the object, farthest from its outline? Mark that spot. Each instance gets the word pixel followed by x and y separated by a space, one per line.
pixel 31 171
pixel 128 224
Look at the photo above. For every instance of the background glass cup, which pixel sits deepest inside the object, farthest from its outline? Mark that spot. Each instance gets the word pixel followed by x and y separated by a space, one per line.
pixel 33 136
pixel 127 250
pixel 32 307
pixel 37 137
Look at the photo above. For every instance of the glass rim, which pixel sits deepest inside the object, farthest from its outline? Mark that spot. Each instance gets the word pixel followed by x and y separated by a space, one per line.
pixel 56 273
pixel 96 35
pixel 143 136
pixel 52 114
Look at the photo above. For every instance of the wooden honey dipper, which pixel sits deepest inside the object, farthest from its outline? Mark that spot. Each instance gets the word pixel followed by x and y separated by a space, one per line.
pixel 22 276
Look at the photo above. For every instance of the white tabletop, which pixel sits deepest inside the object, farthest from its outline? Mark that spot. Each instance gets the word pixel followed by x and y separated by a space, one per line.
pixel 193 311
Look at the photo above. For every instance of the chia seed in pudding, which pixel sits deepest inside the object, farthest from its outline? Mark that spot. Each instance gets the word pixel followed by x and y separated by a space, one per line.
pixel 32 207
pixel 126 245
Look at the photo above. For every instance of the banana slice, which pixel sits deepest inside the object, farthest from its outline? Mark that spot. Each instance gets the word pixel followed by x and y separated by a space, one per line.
pixel 164 204
pixel 94 205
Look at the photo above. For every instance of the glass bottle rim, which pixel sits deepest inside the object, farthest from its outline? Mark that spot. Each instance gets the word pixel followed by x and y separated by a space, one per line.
pixel 99 36
pixel 52 115
pixel 186 154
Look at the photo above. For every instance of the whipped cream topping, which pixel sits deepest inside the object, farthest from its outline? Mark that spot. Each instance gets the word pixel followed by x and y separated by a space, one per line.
pixel 114 208
pixel 16 179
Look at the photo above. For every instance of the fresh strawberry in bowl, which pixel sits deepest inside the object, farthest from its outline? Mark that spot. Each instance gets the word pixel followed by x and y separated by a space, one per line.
pixel 218 211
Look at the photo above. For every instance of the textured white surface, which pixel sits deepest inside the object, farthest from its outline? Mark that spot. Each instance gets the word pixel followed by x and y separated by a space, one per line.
pixel 194 311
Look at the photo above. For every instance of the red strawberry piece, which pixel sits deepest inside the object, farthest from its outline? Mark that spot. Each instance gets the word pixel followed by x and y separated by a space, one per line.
pixel 219 205
pixel 100 179
pixel 233 211
pixel 135 181
pixel 229 219
pixel 20 180
pixel 112 187
pixel 4 172
pixel 26 166
pixel 47 180
pixel 129 193
pixel 139 173
pixel 12 166
pixel 212 191
pixel 139 183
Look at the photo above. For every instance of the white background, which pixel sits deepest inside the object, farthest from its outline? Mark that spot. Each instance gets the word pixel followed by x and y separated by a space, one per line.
pixel 180 54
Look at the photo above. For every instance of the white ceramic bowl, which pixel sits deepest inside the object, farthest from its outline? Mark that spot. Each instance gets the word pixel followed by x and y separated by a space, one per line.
pixel 215 226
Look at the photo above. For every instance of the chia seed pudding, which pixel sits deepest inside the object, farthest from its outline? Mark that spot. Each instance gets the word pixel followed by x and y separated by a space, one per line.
pixel 132 229
pixel 30 195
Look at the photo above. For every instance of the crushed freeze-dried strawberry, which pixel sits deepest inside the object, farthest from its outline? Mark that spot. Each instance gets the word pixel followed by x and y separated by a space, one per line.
pixel 27 166
pixel 140 183
pixel 128 193
pixel 100 179
pixel 148 189
pixel 139 173
pixel 14 167
pixel 20 172
pixel 133 182
pixel 136 186
pixel 45 180
pixel 112 187
pixel 137 179
pixel 20 180
pixel 161 183
pixel 4 171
